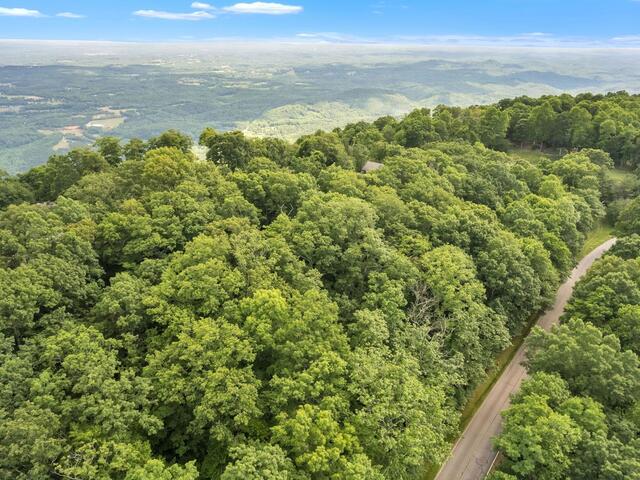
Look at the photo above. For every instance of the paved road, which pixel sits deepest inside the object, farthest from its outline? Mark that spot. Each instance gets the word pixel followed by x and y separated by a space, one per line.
pixel 473 454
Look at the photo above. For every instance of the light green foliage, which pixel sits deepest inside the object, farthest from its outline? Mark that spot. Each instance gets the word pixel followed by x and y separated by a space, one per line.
pixel 589 361
pixel 272 189
pixel 541 123
pixel 326 148
pixel 549 220
pixel 45 263
pixel 28 442
pixel 416 129
pixel 400 422
pixel 134 149
pixel 581 129
pixel 550 434
pixel 577 171
pixel 627 247
pixel 538 441
pixel 608 297
pixel 336 235
pixel 206 135
pixel 321 446
pixel 202 382
pixel 260 462
pixel 501 476
pixel 458 313
pixel 156 470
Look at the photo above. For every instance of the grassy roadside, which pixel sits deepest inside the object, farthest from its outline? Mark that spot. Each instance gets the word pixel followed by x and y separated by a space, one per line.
pixel 601 233
pixel 597 236
pixel 432 472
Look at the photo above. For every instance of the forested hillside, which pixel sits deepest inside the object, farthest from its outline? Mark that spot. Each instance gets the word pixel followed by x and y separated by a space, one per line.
pixel 609 122
pixel 272 313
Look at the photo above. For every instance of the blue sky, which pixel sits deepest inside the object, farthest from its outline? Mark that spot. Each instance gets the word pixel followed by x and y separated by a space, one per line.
pixel 518 22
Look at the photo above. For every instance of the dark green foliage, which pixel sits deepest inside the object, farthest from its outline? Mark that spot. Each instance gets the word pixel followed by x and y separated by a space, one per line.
pixel 13 191
pixel 628 221
pixel 61 172
pixel 627 247
pixel 135 149
pixel 328 146
pixel 493 128
pixel 171 138
pixel 608 122
pixel 605 127
pixel 111 150
pixel 231 149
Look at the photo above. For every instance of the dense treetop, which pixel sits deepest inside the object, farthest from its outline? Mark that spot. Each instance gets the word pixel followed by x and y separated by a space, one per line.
pixel 270 312
pixel 608 122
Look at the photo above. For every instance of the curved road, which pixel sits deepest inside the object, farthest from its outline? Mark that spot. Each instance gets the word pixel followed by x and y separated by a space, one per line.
pixel 472 456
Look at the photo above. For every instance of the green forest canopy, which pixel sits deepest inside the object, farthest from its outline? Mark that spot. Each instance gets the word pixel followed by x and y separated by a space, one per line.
pixel 272 313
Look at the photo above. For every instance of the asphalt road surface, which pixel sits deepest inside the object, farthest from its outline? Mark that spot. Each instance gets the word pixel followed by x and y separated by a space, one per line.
pixel 472 456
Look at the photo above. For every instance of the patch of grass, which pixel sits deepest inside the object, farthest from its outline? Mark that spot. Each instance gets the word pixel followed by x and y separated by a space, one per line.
pixel 431 473
pixel 533 154
pixel 621 175
pixel 597 236
pixel 527 154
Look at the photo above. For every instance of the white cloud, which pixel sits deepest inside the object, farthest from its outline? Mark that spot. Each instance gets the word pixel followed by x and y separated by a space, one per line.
pixel 632 41
pixel 264 8
pixel 194 16
pixel 19 12
pixel 523 40
pixel 202 6
pixel 625 38
pixel 333 37
pixel 69 15
pixel 206 11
